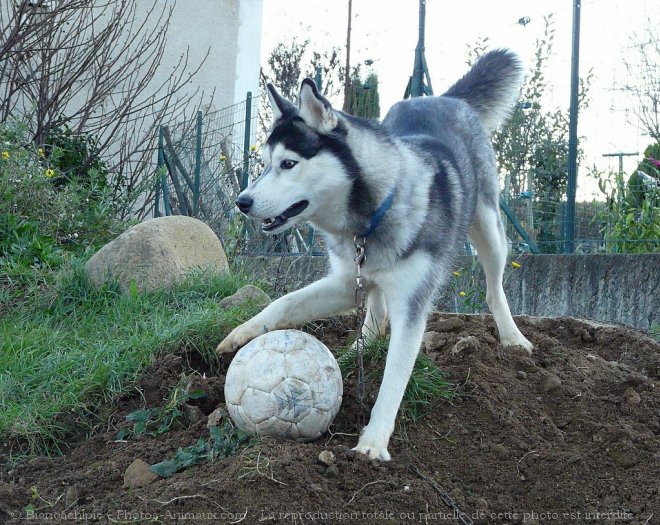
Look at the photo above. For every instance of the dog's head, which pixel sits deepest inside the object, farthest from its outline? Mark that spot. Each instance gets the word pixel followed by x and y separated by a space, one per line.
pixel 305 178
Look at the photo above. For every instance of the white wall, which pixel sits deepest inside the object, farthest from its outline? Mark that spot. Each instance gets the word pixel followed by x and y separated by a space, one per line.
pixel 249 49
pixel 230 30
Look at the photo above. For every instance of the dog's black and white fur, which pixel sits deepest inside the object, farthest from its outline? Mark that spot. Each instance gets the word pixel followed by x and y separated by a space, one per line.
pixel 429 170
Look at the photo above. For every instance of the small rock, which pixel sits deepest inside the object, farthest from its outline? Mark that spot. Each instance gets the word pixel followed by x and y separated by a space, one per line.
pixel 216 417
pixel 332 471
pixel 245 294
pixel 349 454
pixel 326 457
pixel 521 374
pixel 72 496
pixel 315 487
pixel 481 504
pixel 631 397
pixel 465 343
pixel 432 340
pixel 192 414
pixel 138 475
pixel 551 383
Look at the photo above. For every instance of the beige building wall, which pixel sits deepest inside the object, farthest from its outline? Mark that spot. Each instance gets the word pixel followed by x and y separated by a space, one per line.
pixel 230 31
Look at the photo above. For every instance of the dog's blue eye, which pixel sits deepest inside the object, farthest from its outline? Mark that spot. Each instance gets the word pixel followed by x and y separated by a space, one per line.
pixel 287 164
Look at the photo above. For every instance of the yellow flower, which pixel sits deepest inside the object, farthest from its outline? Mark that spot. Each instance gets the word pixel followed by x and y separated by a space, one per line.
pixel 223 157
pixel 5 155
pixel 253 147
pixel 515 264
pixel 40 152
pixel 50 173
pixel 457 274
pixel 462 294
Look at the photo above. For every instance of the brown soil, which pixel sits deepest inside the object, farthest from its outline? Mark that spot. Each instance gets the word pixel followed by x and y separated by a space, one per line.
pixel 569 435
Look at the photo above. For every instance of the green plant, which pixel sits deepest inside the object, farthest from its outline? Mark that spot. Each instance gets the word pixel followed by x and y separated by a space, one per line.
pixel 68 348
pixel 467 290
pixel 223 442
pixel 75 157
pixel 427 382
pixel 158 420
pixel 629 225
pixel 39 211
pixel 364 100
pixel 22 244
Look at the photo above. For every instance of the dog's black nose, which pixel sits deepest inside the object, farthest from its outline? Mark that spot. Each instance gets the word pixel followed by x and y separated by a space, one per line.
pixel 244 203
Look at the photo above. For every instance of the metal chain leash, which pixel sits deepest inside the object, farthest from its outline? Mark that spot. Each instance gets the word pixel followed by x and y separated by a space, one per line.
pixel 360 301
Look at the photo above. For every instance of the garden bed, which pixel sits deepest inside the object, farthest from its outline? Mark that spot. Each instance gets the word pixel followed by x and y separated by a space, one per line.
pixel 569 435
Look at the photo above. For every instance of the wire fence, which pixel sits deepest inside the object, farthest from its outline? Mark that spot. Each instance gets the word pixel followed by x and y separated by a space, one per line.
pixel 205 162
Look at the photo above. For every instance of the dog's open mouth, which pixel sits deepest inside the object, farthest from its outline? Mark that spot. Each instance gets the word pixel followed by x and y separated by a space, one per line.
pixel 275 222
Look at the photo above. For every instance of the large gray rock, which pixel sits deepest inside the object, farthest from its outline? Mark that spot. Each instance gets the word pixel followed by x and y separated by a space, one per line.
pixel 157 254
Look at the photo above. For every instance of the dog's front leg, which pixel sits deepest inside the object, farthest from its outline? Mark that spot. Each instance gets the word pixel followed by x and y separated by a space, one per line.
pixel 405 341
pixel 408 313
pixel 329 296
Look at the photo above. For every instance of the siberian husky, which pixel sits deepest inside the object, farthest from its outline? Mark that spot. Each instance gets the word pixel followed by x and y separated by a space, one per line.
pixel 411 189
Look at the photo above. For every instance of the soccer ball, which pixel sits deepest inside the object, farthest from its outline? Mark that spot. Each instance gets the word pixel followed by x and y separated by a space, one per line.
pixel 284 383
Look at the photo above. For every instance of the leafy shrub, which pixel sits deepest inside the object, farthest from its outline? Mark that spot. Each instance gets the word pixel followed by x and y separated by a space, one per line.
pixel 47 205
pixel 74 156
pixel 631 221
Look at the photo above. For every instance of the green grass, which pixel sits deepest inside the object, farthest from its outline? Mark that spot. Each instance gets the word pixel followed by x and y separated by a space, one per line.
pixel 426 387
pixel 67 349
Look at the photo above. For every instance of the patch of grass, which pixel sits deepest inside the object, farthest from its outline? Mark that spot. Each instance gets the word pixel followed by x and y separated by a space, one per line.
pixel 427 383
pixel 67 349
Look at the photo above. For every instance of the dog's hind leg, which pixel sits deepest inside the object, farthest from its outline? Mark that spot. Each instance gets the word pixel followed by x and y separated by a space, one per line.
pixel 487 235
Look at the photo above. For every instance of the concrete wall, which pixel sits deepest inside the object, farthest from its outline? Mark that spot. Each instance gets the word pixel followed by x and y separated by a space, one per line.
pixel 230 30
pixel 610 288
pixel 607 288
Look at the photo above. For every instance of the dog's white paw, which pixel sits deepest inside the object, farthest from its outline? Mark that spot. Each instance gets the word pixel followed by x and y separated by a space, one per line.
pixel 517 340
pixel 237 338
pixel 373 451
pixel 373 444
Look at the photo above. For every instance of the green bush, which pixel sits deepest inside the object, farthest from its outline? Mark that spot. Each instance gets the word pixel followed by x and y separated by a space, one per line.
pixel 74 157
pixel 47 205
pixel 631 220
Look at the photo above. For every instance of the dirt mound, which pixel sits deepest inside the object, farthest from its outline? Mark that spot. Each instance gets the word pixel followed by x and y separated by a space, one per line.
pixel 569 435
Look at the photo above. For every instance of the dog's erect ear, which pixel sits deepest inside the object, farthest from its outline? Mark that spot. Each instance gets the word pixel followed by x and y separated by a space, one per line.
pixel 280 105
pixel 315 110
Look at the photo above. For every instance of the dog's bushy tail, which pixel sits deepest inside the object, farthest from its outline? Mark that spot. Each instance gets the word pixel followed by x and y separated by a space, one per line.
pixel 491 87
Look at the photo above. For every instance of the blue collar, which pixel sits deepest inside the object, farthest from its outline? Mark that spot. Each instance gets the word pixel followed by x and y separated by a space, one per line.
pixel 378 215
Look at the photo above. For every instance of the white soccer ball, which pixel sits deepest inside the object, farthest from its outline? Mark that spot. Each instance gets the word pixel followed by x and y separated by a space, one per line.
pixel 284 383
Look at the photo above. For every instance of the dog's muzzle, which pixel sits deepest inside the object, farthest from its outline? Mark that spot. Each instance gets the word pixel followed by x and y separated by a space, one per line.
pixel 275 222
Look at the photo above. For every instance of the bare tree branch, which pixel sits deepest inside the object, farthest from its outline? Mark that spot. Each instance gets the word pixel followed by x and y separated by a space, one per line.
pixel 643 80
pixel 91 65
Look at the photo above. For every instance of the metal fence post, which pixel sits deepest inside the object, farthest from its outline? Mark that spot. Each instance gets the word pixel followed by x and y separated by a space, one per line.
pixel 246 141
pixel 198 165
pixel 161 163
pixel 317 79
pixel 569 229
